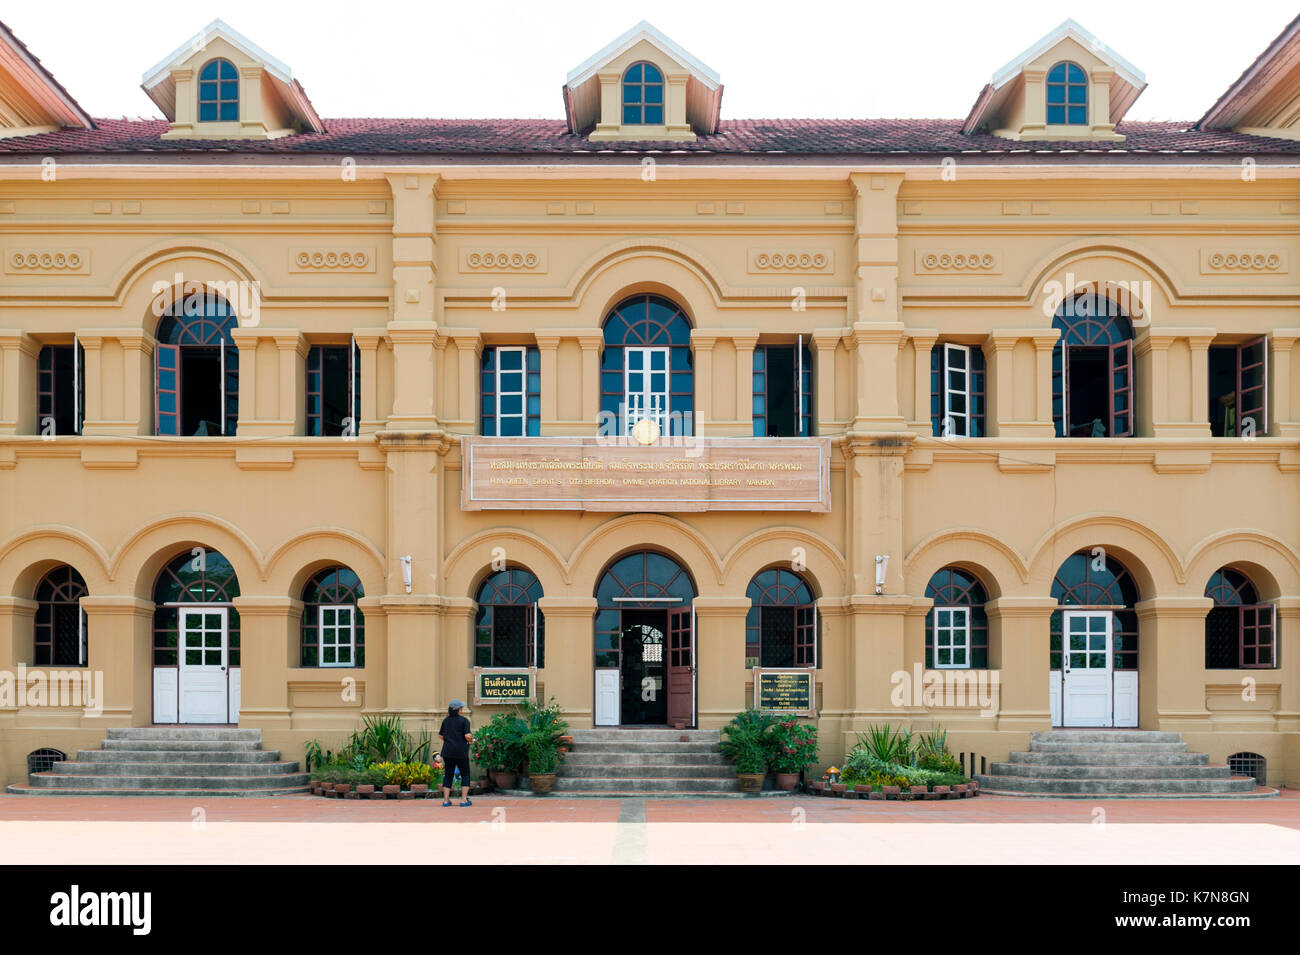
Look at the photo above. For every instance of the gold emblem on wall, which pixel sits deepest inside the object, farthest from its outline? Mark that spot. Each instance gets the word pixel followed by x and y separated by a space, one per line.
pixel 1242 261
pixel 791 260
pixel 503 260
pixel 65 261
pixel 982 261
pixel 331 260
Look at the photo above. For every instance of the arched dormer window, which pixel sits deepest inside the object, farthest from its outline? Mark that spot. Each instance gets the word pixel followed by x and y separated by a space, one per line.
pixel 646 366
pixel 218 92
pixel 1067 95
pixel 643 95
pixel 1092 369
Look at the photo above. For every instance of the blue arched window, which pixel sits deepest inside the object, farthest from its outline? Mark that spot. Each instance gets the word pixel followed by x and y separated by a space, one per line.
pixel 956 627
pixel 1090 579
pixel 646 370
pixel 1067 95
pixel 1092 369
pixel 60 636
pixel 333 626
pixel 781 623
pixel 1239 629
pixel 218 92
pixel 197 366
pixel 643 95
pixel 509 630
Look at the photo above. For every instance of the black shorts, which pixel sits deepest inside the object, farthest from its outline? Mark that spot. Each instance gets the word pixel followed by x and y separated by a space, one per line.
pixel 450 765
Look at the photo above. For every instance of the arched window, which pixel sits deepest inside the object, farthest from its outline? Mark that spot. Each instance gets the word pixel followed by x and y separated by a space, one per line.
pixel 1100 583
pixel 1249 764
pixel 781 623
pixel 509 630
pixel 646 369
pixel 956 627
pixel 1092 369
pixel 1067 95
pixel 333 626
pixel 197 366
pixel 1239 629
pixel 643 95
pixel 197 577
pixel 218 92
pixel 60 621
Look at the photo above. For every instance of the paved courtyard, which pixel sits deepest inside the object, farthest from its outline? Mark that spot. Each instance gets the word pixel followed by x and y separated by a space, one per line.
pixel 309 829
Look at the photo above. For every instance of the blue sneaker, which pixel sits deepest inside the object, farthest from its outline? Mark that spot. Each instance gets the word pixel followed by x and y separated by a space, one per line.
pixel 466 803
pixel 446 802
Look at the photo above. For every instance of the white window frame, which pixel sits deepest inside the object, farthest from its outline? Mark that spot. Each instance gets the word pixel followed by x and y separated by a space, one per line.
pixel 522 416
pixel 646 402
pixel 956 613
pixel 350 629
pixel 960 420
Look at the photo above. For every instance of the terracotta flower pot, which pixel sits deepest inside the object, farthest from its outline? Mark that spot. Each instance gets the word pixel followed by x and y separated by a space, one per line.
pixel 505 780
pixel 751 782
pixel 365 789
pixel 787 781
pixel 891 792
pixel 541 782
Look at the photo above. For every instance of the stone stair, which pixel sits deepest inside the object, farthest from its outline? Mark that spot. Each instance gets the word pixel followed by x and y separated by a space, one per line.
pixel 1089 764
pixel 171 761
pixel 631 762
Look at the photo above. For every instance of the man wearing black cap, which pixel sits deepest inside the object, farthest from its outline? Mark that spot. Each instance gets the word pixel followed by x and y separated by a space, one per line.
pixel 455 735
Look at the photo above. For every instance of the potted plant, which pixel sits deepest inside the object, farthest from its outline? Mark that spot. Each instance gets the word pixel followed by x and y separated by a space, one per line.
pixel 544 730
pixel 751 766
pixel 794 748
pixel 498 747
pixel 747 743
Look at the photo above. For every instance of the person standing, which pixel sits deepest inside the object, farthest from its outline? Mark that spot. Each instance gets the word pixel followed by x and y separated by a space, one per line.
pixel 456 737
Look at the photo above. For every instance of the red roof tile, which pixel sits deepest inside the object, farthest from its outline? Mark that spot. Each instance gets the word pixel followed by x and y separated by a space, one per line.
pixel 752 138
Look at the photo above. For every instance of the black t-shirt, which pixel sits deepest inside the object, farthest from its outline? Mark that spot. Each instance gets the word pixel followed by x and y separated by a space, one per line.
pixel 453 732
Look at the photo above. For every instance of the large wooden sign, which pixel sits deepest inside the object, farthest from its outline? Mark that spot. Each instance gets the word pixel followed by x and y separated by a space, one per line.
pixel 502 685
pixel 784 691
pixel 677 474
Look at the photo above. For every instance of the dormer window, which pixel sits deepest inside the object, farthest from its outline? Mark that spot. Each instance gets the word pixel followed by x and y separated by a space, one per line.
pixel 643 95
pixel 218 92
pixel 1067 95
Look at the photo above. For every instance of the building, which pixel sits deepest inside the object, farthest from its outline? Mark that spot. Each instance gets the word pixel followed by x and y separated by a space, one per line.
pixel 305 418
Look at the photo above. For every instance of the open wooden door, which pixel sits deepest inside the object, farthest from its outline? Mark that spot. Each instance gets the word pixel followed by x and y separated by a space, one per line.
pixel 681 668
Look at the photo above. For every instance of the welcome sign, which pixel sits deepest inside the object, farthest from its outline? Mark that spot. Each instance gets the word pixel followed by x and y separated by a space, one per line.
pixel 784 691
pixel 502 685
pixel 676 474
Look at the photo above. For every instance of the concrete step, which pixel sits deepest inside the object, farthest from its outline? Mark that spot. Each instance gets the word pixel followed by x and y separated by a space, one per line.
pixel 29 790
pixel 173 769
pixel 675 771
pixel 182 745
pixel 1106 736
pixel 673 757
pixel 114 756
pixel 1112 771
pixel 1106 758
pixel 208 783
pixel 1024 784
pixel 225 733
pixel 1135 748
pixel 619 734
pixel 644 784
pixel 637 746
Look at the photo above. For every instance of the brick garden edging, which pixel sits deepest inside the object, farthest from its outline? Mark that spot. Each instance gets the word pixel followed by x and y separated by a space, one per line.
pixel 915 793
pixel 366 791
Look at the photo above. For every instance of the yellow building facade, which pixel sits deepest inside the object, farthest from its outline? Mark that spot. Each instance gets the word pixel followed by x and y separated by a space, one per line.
pixel 1035 373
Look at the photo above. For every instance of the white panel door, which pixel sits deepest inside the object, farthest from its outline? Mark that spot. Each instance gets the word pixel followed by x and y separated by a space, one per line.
pixel 164 694
pixel 608 709
pixel 1087 685
pixel 1126 698
pixel 202 671
pixel 234 695
pixel 1054 694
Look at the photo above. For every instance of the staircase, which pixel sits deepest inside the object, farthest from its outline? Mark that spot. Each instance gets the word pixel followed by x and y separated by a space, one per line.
pixel 1079 764
pixel 171 761
pixel 636 762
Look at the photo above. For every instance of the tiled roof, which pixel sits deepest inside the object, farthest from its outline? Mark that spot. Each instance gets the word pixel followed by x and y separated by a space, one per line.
pixel 751 138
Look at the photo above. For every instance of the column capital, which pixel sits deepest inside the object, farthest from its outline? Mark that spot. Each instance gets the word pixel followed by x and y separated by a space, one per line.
pixel 582 607
pixel 256 605
pixel 721 606
pixel 20 340
pixel 1193 608
pixel 116 605
pixel 1021 606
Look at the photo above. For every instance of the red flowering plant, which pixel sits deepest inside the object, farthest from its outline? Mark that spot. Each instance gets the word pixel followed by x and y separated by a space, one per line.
pixel 794 746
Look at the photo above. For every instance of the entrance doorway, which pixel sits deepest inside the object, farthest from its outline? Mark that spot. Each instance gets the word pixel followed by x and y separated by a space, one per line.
pixel 645 644
pixel 203 683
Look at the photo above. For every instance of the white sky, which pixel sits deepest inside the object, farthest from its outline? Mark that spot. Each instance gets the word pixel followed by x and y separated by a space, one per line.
pixel 509 58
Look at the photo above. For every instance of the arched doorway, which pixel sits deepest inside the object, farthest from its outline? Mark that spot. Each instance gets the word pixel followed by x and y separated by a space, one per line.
pixel 645 643
pixel 1094 642
pixel 196 675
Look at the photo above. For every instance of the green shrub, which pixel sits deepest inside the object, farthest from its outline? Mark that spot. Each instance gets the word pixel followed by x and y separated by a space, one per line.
pixel 499 746
pixel 750 758
pixel 403 774
pixel 793 746
pixel 749 729
pixel 887 744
